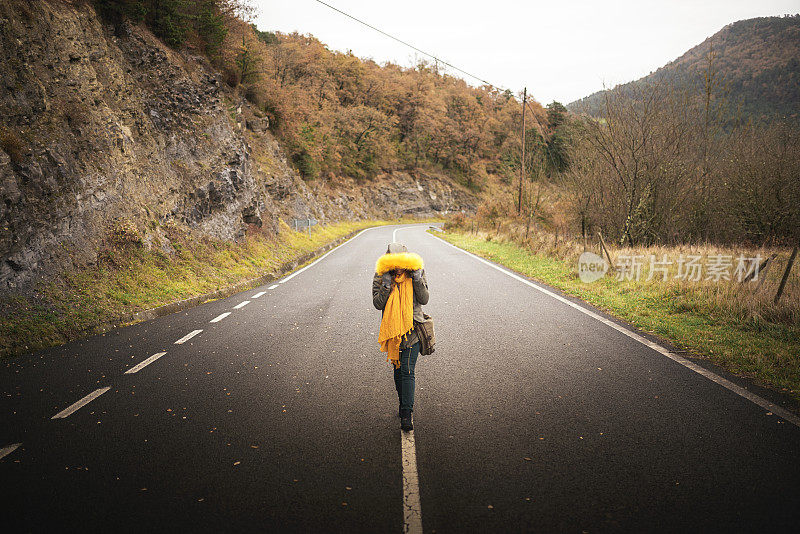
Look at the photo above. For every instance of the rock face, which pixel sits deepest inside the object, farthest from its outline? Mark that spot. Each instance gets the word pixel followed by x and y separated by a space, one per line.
pixel 101 129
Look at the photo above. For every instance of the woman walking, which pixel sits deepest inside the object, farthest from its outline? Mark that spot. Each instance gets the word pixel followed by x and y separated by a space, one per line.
pixel 399 289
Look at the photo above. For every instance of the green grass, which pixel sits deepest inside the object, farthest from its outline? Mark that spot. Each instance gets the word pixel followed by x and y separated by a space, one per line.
pixel 130 278
pixel 689 317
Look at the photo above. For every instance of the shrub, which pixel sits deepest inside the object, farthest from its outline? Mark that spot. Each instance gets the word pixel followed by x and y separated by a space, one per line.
pixel 305 164
pixel 456 222
pixel 124 234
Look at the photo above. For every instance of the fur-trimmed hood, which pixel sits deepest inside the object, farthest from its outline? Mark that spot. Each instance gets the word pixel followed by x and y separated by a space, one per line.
pixel 401 260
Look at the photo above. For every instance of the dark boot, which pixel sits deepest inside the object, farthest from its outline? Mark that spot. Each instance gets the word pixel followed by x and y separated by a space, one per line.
pixel 405 420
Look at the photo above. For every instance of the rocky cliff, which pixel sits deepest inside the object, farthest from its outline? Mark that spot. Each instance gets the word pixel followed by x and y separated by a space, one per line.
pixel 108 134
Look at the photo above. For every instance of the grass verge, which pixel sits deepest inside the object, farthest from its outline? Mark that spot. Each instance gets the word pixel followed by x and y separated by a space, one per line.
pixel 129 278
pixel 693 318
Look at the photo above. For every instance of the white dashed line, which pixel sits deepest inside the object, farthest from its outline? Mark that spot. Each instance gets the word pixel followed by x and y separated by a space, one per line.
pixel 187 337
pixel 301 270
pixel 219 317
pixel 258 294
pixel 241 304
pixel 5 451
pixel 145 363
pixel 727 384
pixel 273 286
pixel 66 412
pixel 412 511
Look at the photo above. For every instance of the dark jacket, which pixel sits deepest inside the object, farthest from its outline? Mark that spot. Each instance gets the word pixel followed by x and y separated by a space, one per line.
pixel 380 294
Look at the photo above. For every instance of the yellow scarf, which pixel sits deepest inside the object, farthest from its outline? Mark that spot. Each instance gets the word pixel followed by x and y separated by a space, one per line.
pixel 398 314
pixel 398 318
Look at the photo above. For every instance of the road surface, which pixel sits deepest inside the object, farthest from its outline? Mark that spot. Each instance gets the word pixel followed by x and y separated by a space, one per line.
pixel 277 412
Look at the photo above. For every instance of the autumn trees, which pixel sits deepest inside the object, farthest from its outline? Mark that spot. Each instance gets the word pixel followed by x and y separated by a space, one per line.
pixel 341 115
pixel 337 114
pixel 658 167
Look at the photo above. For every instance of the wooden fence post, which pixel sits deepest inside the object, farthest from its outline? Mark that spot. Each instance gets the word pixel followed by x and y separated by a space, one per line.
pixel 760 269
pixel 603 245
pixel 786 275
pixel 762 273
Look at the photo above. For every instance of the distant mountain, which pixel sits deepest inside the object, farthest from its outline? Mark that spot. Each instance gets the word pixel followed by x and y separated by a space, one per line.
pixel 757 59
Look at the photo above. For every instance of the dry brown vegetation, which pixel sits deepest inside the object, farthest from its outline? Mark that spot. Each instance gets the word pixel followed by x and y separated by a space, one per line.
pixel 747 302
pixel 659 169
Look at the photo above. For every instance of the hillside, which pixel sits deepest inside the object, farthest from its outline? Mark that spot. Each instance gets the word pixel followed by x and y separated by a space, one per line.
pixel 109 134
pixel 757 62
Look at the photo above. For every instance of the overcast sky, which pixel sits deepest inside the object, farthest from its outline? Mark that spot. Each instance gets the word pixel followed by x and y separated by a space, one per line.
pixel 560 49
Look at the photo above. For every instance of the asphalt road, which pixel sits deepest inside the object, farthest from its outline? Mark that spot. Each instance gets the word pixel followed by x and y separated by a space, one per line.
pixel 281 416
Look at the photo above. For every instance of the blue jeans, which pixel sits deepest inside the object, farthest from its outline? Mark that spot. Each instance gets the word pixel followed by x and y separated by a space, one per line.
pixel 404 377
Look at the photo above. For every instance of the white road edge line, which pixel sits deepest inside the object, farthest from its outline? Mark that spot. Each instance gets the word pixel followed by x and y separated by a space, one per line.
pixel 241 304
pixel 273 286
pixel 258 294
pixel 5 451
pixel 219 317
pixel 394 233
pixel 66 412
pixel 145 363
pixel 412 511
pixel 324 255
pixel 727 384
pixel 187 337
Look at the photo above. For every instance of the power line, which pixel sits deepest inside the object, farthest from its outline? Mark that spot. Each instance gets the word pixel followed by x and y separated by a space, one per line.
pixel 407 44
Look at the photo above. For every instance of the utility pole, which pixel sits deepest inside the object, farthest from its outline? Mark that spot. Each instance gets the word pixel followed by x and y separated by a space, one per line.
pixel 522 161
